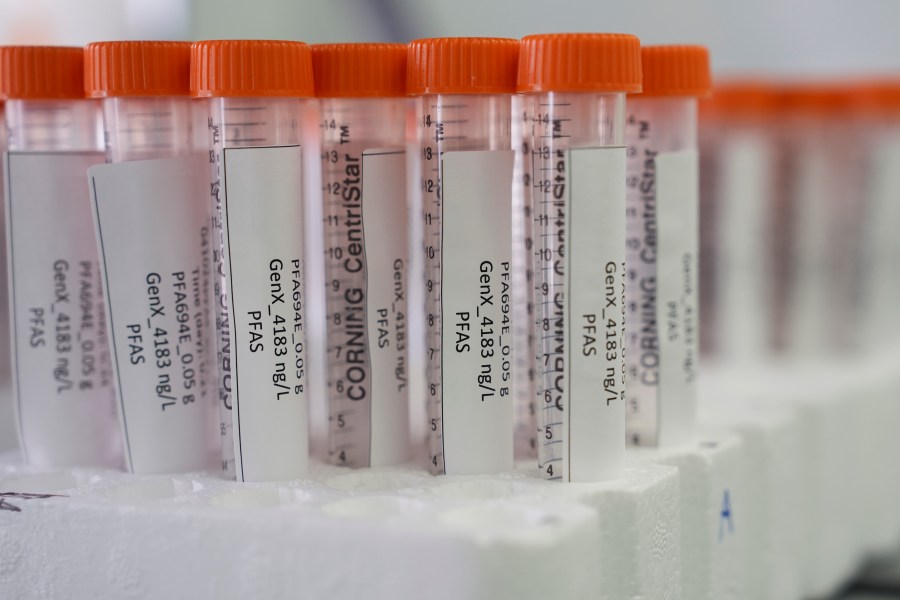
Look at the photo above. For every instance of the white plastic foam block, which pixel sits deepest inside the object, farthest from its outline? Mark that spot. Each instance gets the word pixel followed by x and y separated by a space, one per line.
pixel 640 530
pixel 773 502
pixel 822 447
pixel 828 477
pixel 803 487
pixel 877 426
pixel 339 535
pixel 713 486
pixel 850 478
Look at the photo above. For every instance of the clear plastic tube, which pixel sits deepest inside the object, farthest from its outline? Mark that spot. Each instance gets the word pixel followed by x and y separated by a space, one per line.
pixel 673 119
pixel 366 256
pixel 269 438
pixel 64 385
pixel 158 277
pixel 747 281
pixel 147 128
pixel 466 147
pixel 54 126
pixel 824 217
pixel 577 179
pixel 200 124
pixel 661 291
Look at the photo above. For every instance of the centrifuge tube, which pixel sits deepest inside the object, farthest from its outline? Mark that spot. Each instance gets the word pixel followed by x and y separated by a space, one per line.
pixel 661 258
pixel 64 392
pixel 743 290
pixel 575 86
pixel 464 86
pixel 152 222
pixel 362 90
pixel 256 91
pixel 823 216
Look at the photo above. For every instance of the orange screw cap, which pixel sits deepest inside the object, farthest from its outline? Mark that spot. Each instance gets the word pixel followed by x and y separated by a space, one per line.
pixel 462 66
pixel 251 69
pixel 359 70
pixel 879 96
pixel 41 72
pixel 742 98
pixel 136 69
pixel 675 71
pixel 580 62
pixel 826 98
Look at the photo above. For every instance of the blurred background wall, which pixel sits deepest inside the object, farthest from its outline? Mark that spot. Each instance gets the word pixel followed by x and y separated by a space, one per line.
pixel 784 37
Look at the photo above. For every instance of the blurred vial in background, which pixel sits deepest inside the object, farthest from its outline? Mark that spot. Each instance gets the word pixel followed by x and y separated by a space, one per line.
pixel 799 206
pixel 738 154
pixel 821 210
pixel 878 111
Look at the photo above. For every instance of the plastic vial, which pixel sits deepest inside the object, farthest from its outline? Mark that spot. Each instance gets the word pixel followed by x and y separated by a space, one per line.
pixel 256 91
pixel 63 390
pixel 464 88
pixel 576 86
pixel 362 90
pixel 662 246
pixel 153 229
pixel 744 265
pixel 824 218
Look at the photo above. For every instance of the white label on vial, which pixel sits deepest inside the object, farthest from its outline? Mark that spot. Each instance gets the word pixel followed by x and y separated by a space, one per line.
pixel 642 286
pixel 152 221
pixel 594 314
pixel 476 195
pixel 62 374
pixel 677 210
pixel 262 217
pixel 385 225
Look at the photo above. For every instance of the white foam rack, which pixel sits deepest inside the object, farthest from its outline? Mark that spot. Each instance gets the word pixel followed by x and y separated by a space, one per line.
pixel 793 483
